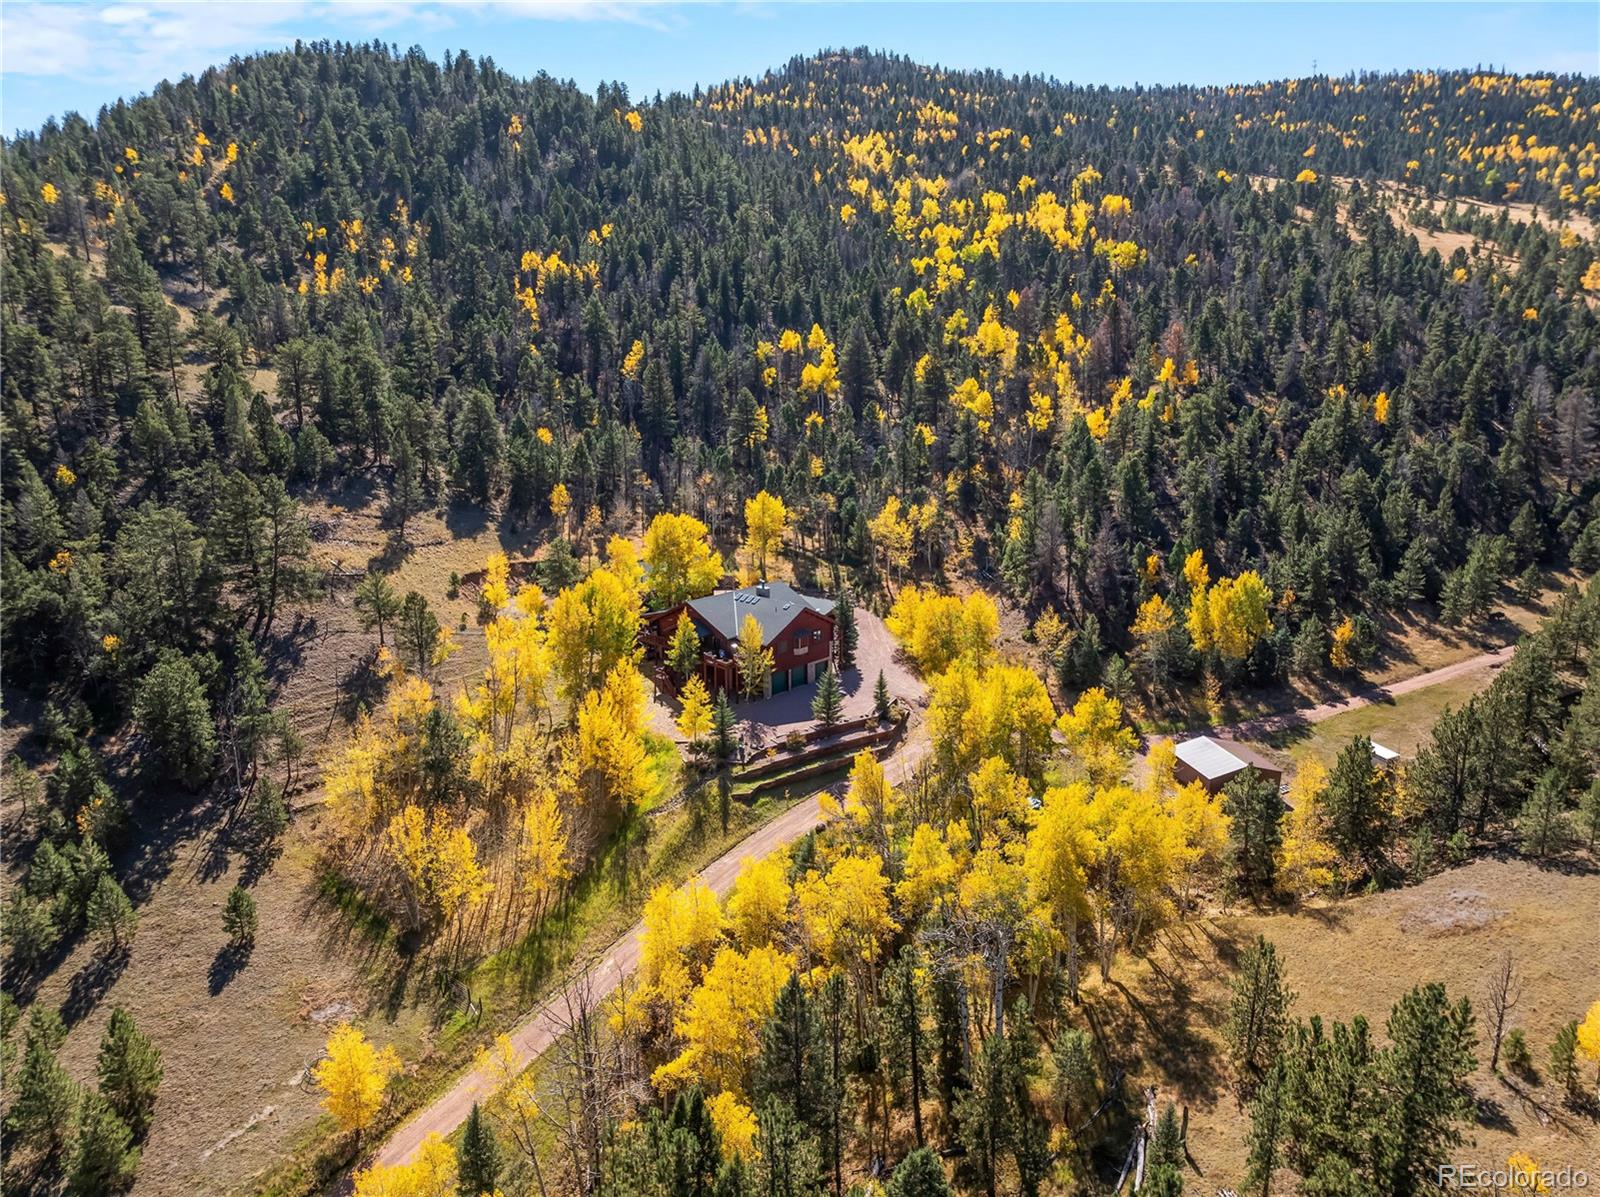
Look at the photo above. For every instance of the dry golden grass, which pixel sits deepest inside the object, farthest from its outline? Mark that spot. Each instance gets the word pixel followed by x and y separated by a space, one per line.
pixel 1358 956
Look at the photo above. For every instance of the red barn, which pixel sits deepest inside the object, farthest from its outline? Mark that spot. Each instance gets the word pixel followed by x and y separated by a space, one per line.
pixel 798 628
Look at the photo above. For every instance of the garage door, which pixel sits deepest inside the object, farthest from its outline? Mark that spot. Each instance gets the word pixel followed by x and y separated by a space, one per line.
pixel 797 677
pixel 780 681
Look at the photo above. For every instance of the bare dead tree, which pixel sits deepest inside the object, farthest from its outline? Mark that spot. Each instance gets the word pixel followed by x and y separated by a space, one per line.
pixel 1505 988
pixel 587 1087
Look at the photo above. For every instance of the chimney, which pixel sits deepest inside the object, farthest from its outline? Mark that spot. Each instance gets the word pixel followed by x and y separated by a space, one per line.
pixel 763 590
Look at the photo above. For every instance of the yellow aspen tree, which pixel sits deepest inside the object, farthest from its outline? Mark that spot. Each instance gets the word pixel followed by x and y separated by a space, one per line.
pixel 1588 1043
pixel 1003 710
pixel 496 582
pixel 353 1077
pixel 1203 830
pixel 999 801
pixel 1138 854
pixel 753 659
pixel 736 1125
pixel 431 1173
pixel 845 913
pixel 1231 616
pixel 680 559
pixel 1097 736
pixel 605 764
pixel 514 1099
pixel 560 503
pixel 458 881
pixel 694 720
pixel 592 626
pixel 683 927
pixel 1306 861
pixel 1342 655
pixel 503 709
pixel 892 534
pixel 720 1025
pixel 766 520
pixel 871 803
pixel 928 872
pixel 542 859
pixel 992 894
pixel 935 629
pixel 438 863
pixel 758 907
pixel 1059 855
pixel 1154 618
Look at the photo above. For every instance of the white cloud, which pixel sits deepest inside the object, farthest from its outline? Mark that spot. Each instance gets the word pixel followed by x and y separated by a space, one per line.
pixel 138 44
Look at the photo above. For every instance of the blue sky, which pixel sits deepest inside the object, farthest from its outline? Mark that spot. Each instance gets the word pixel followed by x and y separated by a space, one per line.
pixel 57 57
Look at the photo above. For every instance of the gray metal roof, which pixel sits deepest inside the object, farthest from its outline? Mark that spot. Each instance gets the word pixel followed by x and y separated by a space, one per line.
pixel 1208 758
pixel 774 611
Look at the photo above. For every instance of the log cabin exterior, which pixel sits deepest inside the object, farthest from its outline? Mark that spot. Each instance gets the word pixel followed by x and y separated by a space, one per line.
pixel 798 628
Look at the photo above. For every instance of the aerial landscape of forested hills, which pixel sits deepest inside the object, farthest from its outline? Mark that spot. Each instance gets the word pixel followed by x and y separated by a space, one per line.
pixel 378 430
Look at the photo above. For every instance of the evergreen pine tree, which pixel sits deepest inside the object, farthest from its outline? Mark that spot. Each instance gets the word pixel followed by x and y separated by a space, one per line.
pixel 130 1071
pixel 44 1096
pixel 1252 804
pixel 110 915
pixel 845 629
pixel 1258 1015
pixel 880 698
pixel 417 631
pixel 174 718
pixel 827 704
pixel 791 1066
pixel 1564 1059
pixel 920 1174
pixel 1163 1166
pixel 377 604
pixel 907 1040
pixel 1266 1133
pixel 239 916
pixel 1357 805
pixel 1073 1082
pixel 983 1115
pixel 104 1159
pixel 722 727
pixel 1543 825
pixel 1422 1080
pixel 480 1162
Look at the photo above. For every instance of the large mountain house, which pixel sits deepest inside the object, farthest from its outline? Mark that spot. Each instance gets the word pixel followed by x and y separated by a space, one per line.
pixel 798 628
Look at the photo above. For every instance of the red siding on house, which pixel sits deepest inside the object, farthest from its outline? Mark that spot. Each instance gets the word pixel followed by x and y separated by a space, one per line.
pixel 785 654
pixel 794 646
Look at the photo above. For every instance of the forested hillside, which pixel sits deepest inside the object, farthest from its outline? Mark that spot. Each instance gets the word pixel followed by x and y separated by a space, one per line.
pixel 1207 385
pixel 1070 334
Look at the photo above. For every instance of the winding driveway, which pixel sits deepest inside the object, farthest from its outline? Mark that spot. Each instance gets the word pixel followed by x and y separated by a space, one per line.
pixel 543 1025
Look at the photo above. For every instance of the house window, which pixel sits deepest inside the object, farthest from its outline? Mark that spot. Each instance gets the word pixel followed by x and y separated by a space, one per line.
pixel 799 644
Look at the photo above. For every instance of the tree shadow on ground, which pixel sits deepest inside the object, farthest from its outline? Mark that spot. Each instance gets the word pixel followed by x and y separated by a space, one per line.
pixel 464 520
pixel 91 983
pixel 396 548
pixel 229 962
pixel 360 688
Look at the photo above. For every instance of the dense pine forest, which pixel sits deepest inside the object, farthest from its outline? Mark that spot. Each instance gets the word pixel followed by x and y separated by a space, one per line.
pixel 1112 402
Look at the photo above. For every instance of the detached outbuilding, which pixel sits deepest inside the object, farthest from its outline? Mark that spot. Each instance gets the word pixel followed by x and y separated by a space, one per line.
pixel 1214 762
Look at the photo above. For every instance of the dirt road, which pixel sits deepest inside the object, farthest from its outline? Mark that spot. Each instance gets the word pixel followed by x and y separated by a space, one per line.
pixel 543 1025
pixel 1250 729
